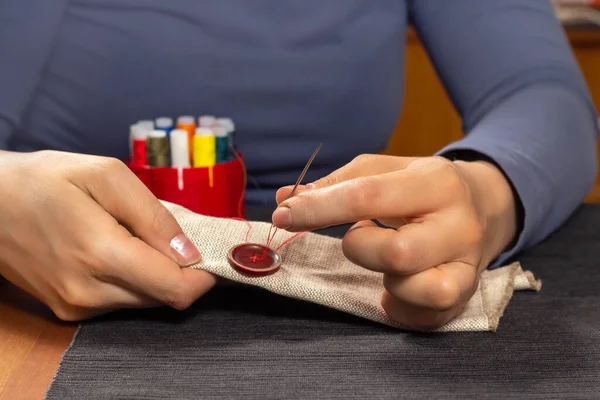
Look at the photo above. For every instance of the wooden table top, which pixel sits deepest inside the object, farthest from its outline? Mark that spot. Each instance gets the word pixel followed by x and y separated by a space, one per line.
pixel 32 342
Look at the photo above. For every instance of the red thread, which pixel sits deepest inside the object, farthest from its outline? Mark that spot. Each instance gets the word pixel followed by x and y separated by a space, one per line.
pixel 248 224
pixel 241 201
pixel 286 241
pixel 272 232
pixel 269 239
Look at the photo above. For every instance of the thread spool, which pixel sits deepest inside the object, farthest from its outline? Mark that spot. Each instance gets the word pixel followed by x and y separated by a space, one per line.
pixel 157 149
pixel 186 120
pixel 206 121
pixel 228 124
pixel 222 144
pixel 180 153
pixel 147 124
pixel 188 123
pixel 204 148
pixel 138 135
pixel 164 124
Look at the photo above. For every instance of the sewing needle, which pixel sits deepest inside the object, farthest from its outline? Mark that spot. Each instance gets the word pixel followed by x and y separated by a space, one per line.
pixel 305 170
pixel 272 235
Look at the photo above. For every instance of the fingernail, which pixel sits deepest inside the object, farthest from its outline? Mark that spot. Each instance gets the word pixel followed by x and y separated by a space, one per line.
pixel 184 250
pixel 282 218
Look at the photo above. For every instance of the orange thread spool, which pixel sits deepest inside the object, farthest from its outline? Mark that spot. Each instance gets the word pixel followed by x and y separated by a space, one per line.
pixel 188 124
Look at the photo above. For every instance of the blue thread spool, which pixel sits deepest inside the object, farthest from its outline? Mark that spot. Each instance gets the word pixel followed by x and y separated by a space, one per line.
pixel 164 124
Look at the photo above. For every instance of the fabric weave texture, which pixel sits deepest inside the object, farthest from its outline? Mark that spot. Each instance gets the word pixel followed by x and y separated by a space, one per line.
pixel 315 269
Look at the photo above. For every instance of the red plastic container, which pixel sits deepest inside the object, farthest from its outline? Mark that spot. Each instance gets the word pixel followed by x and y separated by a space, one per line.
pixel 194 189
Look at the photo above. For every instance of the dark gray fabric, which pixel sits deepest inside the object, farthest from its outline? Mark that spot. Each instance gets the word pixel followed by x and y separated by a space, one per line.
pixel 246 343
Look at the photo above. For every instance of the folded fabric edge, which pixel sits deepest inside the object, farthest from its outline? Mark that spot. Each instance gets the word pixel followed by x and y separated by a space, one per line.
pixel 519 279
pixel 494 315
pixel 381 317
pixel 525 280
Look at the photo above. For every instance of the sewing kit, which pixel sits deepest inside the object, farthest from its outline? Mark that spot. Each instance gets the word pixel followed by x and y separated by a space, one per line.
pixel 194 165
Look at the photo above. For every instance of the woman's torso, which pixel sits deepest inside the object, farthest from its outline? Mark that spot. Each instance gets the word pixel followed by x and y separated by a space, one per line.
pixel 290 73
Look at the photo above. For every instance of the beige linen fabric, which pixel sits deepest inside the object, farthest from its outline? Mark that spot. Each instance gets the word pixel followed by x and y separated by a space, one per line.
pixel 314 269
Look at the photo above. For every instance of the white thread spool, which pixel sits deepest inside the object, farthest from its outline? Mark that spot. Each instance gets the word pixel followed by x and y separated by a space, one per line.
pixel 206 121
pixel 180 151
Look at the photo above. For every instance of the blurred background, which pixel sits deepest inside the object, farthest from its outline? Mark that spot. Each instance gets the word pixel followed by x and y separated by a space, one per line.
pixel 418 134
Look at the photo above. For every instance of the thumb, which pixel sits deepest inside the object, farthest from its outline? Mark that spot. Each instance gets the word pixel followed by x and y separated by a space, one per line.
pixel 116 189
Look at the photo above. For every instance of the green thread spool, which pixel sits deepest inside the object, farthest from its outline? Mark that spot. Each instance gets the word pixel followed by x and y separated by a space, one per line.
pixel 222 144
pixel 157 149
pixel 228 124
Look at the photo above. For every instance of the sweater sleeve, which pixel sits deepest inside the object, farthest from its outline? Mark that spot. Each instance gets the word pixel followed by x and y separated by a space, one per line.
pixel 509 71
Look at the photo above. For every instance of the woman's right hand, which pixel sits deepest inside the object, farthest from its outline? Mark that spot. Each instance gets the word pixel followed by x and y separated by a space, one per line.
pixel 84 235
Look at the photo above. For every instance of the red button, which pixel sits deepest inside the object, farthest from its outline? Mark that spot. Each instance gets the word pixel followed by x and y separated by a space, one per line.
pixel 254 259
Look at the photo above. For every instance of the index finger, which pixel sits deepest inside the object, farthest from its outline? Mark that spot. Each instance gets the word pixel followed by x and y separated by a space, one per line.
pixel 402 193
pixel 363 165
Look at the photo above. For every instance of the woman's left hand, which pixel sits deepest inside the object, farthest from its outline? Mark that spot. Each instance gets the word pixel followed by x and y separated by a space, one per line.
pixel 450 220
